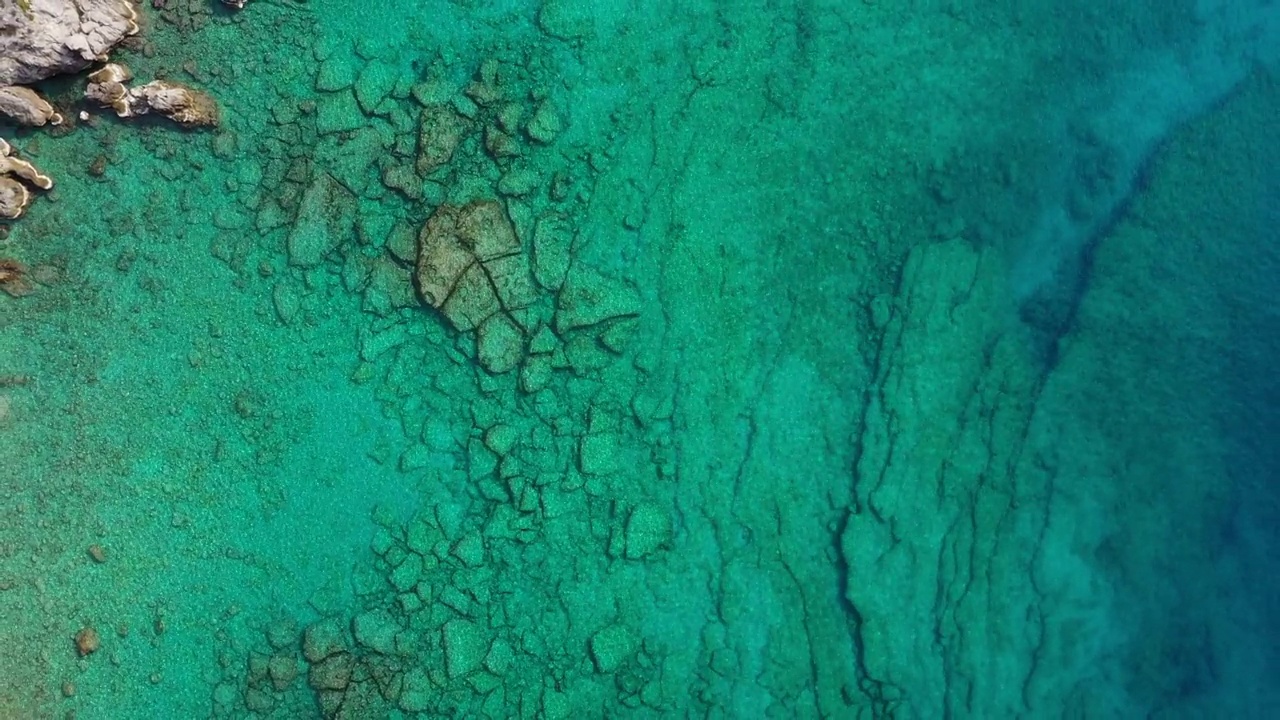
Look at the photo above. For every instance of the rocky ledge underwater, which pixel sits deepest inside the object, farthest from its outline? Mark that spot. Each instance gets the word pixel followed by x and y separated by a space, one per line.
pixel 315 174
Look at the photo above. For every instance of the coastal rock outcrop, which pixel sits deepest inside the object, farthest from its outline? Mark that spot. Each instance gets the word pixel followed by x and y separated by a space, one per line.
pixel 14 195
pixel 186 106
pixel 43 38
pixel 25 107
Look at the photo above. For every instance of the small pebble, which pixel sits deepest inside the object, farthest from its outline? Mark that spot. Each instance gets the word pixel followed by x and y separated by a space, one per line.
pixel 87 641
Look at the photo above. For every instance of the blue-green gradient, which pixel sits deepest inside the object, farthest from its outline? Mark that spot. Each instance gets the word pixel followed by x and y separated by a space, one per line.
pixel 871 360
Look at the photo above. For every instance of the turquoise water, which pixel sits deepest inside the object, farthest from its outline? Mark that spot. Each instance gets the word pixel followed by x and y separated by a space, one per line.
pixel 733 360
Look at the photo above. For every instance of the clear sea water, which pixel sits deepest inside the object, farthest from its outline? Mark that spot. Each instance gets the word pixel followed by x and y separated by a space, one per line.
pixel 614 359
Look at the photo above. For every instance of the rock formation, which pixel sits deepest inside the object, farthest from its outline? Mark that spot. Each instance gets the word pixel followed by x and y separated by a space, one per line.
pixel 472 269
pixel 14 195
pixel 186 106
pixel 43 38
pixel 470 264
pixel 26 107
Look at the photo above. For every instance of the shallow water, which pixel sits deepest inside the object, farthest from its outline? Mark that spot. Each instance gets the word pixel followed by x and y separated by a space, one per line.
pixel 818 359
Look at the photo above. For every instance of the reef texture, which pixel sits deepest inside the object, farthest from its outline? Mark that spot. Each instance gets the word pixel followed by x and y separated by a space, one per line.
pixel 43 38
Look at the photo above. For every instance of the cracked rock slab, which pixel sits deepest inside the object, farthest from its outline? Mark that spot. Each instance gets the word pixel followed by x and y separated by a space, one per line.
pixel 470 264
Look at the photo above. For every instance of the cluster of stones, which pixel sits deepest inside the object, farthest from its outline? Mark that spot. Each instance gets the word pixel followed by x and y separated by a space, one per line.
pixel 447 207
pixel 43 38
pixel 271 674
pixel 399 657
pixel 455 625
pixel 493 255
pixel 40 39
pixel 495 266
pixel 450 626
pixel 186 16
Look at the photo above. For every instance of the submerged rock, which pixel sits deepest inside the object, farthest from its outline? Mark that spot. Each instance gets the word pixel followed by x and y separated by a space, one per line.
pixel 470 264
pixel 325 219
pixel 589 298
pixel 499 344
pixel 373 85
pixel 43 38
pixel 440 132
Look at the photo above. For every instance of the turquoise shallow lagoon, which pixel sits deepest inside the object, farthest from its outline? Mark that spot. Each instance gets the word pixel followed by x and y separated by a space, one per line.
pixel 540 359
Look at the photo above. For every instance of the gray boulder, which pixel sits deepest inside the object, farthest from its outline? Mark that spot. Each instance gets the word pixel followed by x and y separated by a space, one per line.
pixel 43 38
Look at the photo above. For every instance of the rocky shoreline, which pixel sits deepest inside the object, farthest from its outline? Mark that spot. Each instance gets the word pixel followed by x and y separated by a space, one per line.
pixel 42 39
